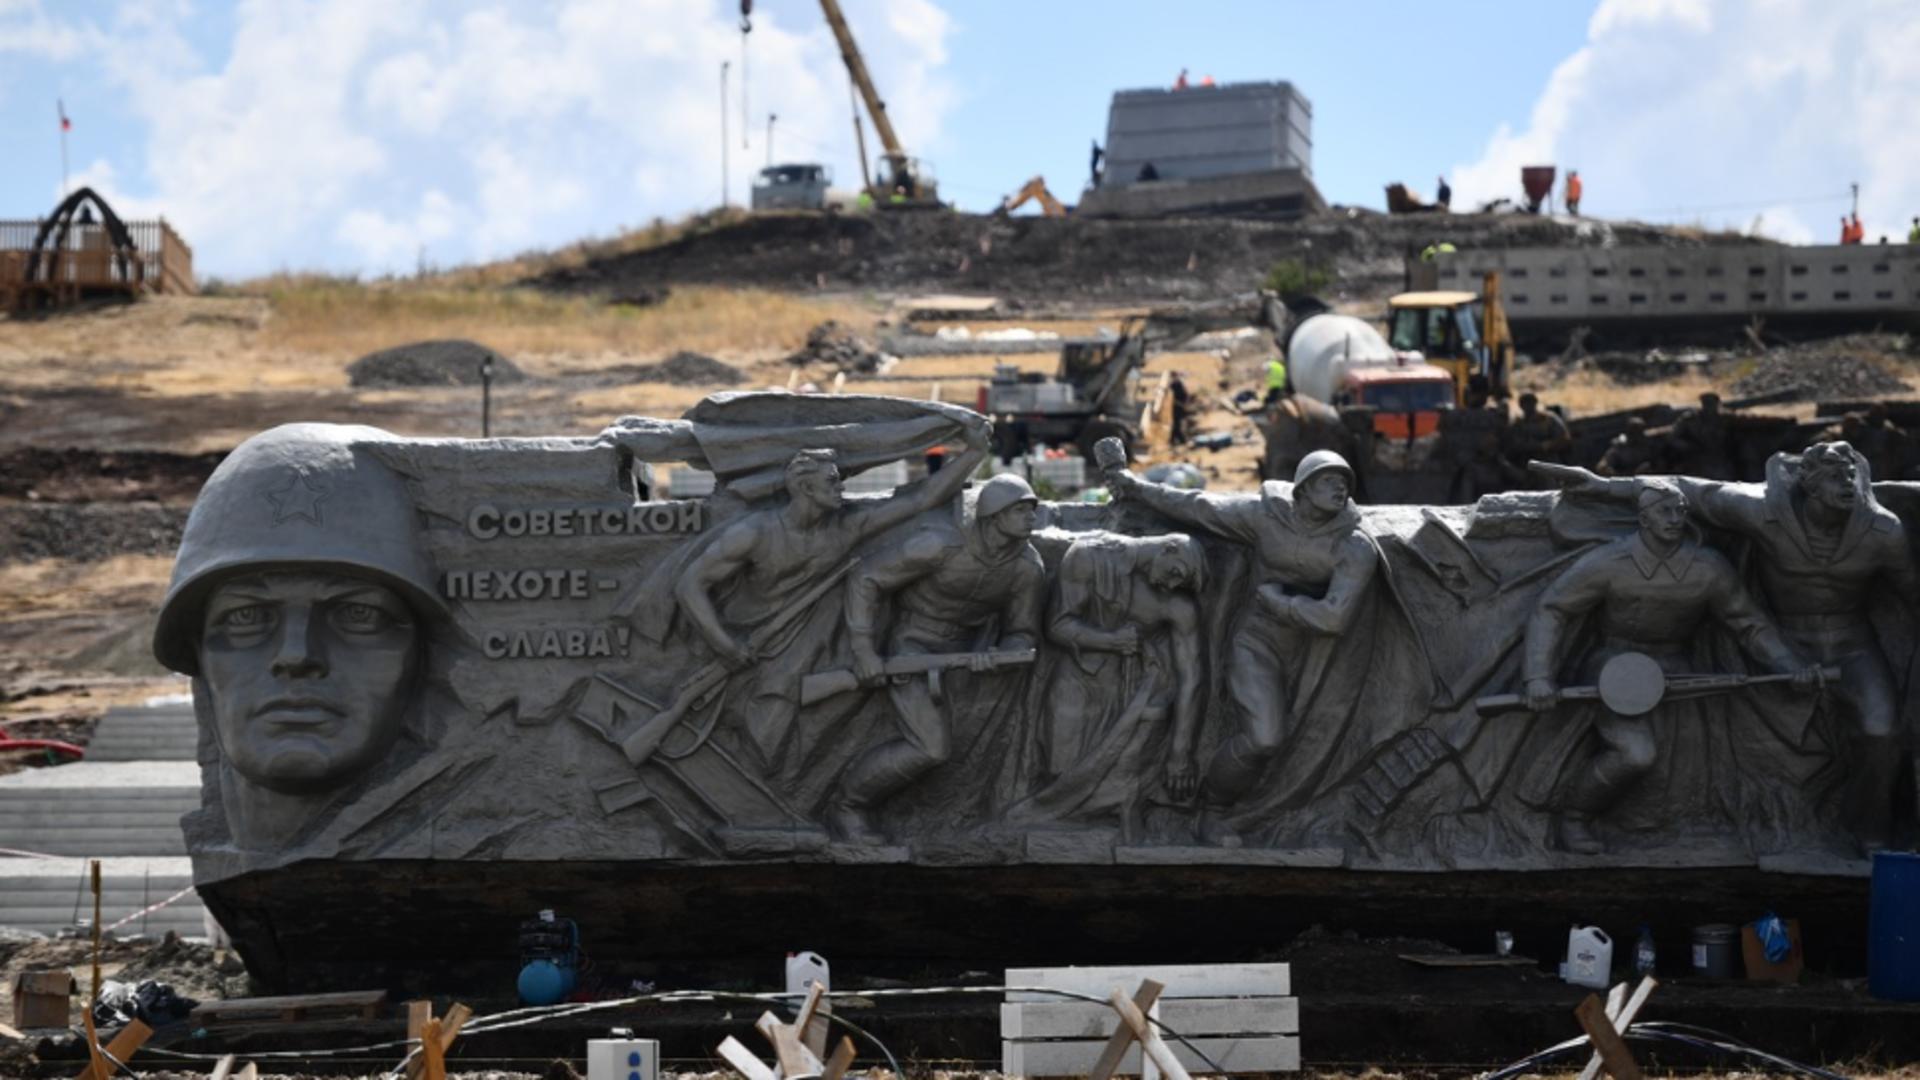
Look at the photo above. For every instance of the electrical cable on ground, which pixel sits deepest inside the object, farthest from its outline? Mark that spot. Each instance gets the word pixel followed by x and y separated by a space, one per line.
pixel 1654 1031
pixel 524 1017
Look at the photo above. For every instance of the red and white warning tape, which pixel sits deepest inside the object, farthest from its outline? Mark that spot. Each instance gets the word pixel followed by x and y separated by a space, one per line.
pixel 148 910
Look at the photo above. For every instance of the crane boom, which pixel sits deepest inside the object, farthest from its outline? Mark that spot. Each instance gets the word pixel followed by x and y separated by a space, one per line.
pixel 857 67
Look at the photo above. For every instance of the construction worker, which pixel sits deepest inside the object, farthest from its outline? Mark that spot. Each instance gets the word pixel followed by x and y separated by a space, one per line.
pixel 1181 82
pixel 1093 164
pixel 1444 197
pixel 1851 231
pixel 1574 187
pixel 1913 234
pixel 1434 251
pixel 1276 379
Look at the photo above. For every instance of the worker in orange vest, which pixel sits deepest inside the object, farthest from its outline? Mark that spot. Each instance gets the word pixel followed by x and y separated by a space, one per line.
pixel 1181 82
pixel 1573 192
pixel 1851 231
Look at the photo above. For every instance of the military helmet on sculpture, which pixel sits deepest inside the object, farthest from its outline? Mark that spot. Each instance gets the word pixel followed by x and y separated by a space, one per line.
pixel 296 497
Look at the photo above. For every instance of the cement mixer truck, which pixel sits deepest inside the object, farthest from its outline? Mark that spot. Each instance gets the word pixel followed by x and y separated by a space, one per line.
pixel 1345 362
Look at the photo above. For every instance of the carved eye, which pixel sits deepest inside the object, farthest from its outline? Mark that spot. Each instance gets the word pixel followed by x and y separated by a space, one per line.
pixel 355 617
pixel 249 618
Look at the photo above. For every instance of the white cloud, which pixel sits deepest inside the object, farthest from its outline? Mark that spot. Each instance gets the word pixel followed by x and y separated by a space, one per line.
pixel 27 30
pixel 347 134
pixel 1720 110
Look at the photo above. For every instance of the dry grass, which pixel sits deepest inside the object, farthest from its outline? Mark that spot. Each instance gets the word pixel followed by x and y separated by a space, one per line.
pixel 346 318
pixel 1589 392
pixel 657 233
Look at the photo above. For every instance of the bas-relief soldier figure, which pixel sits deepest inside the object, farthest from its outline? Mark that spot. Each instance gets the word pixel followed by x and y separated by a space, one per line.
pixel 1537 434
pixel 763 562
pixel 1823 547
pixel 1700 441
pixel 303 605
pixel 948 588
pixel 1632 453
pixel 1128 659
pixel 1651 593
pixel 1312 565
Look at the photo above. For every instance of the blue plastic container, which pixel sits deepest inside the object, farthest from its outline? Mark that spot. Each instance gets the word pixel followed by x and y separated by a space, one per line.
pixel 1893 927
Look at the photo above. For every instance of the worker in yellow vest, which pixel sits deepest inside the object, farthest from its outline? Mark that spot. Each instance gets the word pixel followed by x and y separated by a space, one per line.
pixel 1276 379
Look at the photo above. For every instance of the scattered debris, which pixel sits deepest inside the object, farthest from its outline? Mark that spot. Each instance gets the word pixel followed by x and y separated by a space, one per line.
pixel 1846 367
pixel 453 362
pixel 836 345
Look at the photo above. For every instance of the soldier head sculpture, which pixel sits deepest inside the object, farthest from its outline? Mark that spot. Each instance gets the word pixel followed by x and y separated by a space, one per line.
pixel 301 603
pixel 1830 477
pixel 813 477
pixel 1007 507
pixel 1322 483
pixel 1662 512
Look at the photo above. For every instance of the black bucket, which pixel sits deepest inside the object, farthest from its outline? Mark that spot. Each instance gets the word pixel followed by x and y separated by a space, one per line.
pixel 1716 951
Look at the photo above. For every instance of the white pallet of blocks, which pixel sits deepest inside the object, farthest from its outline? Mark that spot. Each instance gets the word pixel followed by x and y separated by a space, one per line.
pixel 1243 1017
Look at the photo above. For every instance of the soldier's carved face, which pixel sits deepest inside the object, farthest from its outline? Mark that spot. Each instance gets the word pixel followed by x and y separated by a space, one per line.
pixel 1665 519
pixel 819 486
pixel 1169 570
pixel 310 673
pixel 1017 520
pixel 1327 490
pixel 1833 484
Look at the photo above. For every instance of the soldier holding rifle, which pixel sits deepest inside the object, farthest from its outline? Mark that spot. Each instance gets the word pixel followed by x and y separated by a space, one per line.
pixel 948 588
pixel 1650 593
pixel 1823 547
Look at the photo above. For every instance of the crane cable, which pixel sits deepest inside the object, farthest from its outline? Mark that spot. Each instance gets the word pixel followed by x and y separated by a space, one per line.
pixel 746 27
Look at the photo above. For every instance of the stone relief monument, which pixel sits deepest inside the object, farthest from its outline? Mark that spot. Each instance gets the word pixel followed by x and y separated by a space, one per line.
pixel 514 651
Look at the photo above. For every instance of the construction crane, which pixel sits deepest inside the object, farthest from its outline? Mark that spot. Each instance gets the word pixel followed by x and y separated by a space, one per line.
pixel 902 181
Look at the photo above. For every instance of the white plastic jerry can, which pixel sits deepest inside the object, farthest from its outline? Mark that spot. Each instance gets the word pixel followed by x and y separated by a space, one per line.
pixel 1589 957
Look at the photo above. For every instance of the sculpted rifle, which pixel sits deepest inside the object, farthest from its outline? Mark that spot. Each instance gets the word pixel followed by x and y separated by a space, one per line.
pixel 826 684
pixel 1632 684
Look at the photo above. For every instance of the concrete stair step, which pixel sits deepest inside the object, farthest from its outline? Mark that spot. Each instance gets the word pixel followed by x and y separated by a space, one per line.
pixel 13 822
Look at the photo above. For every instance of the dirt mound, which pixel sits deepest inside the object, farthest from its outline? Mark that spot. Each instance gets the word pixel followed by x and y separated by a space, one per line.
pixel 689 369
pixel 40 475
pixel 88 532
pixel 1074 257
pixel 834 345
pixel 431 363
pixel 1858 366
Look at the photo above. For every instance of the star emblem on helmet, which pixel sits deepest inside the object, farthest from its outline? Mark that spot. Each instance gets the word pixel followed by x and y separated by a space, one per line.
pixel 300 498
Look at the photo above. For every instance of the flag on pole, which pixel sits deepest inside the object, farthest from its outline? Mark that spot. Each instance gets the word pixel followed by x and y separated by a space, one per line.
pixel 65 124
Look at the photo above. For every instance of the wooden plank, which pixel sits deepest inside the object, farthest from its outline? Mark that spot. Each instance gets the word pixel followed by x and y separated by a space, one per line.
pixel 250 1071
pixel 841 1061
pixel 221 1068
pixel 124 1044
pixel 790 1054
pixel 1181 980
pixel 1151 1045
pixel 418 1013
pixel 1116 1048
pixel 433 1057
pixel 1188 1016
pixel 1621 1017
pixel 743 1061
pixel 274 1007
pixel 1276 1053
pixel 1606 1041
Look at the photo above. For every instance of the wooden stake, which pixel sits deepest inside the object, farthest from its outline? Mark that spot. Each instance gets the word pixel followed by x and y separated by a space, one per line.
pixel 1116 1047
pixel 1621 1017
pixel 1152 1046
pixel 126 1043
pixel 433 1057
pixel 842 1059
pixel 221 1068
pixel 1614 1056
pixel 250 1071
pixel 742 1059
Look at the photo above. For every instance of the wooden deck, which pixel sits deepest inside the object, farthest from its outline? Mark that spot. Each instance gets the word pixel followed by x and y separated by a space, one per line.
pixel 86 267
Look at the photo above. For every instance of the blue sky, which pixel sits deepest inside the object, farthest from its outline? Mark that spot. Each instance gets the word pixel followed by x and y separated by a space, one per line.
pixel 367 135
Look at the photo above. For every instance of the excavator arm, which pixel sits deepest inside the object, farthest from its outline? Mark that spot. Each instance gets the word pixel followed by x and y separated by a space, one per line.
pixel 1033 189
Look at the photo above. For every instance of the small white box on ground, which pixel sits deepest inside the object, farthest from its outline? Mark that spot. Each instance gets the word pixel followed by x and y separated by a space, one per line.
pixel 623 1059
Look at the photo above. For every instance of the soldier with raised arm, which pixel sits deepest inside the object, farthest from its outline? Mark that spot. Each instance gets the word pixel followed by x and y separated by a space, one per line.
pixel 762 562
pixel 1312 565
pixel 949 588
pixel 1651 593
pixel 1823 548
